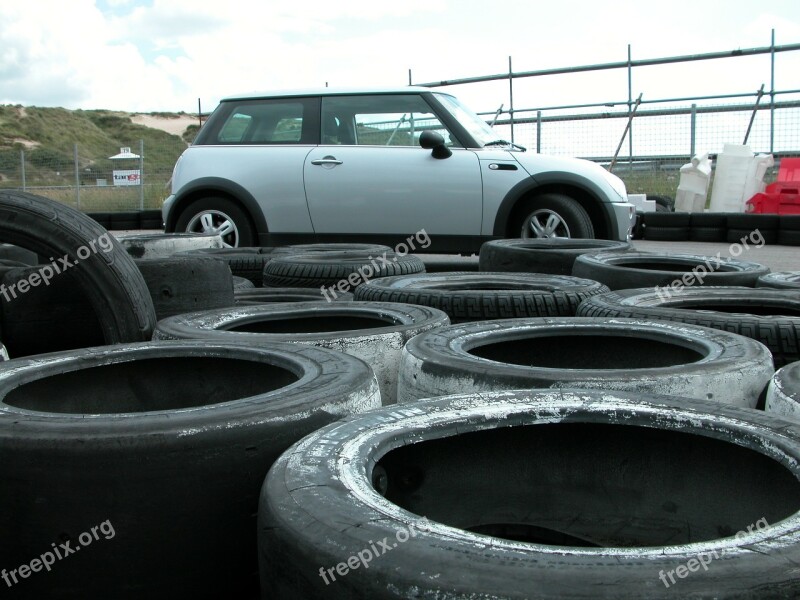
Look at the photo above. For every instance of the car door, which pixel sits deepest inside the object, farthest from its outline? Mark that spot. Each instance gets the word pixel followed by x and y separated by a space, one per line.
pixel 370 176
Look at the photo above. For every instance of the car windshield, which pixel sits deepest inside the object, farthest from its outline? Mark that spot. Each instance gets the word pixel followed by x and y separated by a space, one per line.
pixel 479 129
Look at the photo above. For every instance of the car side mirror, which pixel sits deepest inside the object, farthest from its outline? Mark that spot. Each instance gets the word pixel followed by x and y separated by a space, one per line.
pixel 430 140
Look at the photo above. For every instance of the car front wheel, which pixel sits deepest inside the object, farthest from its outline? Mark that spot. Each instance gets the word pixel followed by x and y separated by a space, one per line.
pixel 219 216
pixel 555 216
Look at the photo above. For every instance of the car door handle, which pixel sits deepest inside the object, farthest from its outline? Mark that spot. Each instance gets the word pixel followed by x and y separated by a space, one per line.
pixel 328 160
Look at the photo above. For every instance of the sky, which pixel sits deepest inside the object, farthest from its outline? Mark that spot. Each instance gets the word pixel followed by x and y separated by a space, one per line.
pixel 164 55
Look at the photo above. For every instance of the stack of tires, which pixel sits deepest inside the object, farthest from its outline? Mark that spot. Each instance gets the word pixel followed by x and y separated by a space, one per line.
pixel 576 419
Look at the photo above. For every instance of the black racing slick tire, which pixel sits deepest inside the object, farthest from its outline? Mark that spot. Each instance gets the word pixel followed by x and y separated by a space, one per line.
pixel 609 354
pixel 113 285
pixel 255 296
pixel 164 444
pixel 783 393
pixel 372 331
pixel 553 255
pixel 537 495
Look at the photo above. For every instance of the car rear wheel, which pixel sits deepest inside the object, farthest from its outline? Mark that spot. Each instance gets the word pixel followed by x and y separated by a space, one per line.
pixel 218 216
pixel 555 216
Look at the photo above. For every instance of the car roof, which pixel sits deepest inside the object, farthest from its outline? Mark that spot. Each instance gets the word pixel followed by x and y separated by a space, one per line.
pixel 326 91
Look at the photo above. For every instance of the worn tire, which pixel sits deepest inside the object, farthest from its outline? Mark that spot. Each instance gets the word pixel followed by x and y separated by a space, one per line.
pixel 708 234
pixel 48 318
pixel 781 280
pixel 167 441
pixel 256 296
pixel 492 496
pixel 335 270
pixel 606 354
pixel 244 262
pixel 113 285
pixel 372 331
pixel 666 234
pixel 241 284
pixel 163 245
pixel 628 270
pixel 180 284
pixel 769 316
pixel 478 296
pixel 783 393
pixel 552 255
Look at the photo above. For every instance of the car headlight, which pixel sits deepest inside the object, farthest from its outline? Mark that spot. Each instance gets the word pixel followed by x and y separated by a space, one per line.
pixel 618 186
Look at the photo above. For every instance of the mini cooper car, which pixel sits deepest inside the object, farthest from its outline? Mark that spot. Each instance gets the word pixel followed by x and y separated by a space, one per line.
pixel 378 166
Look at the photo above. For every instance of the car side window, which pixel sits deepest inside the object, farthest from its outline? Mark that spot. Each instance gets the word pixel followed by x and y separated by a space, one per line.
pixel 378 120
pixel 281 121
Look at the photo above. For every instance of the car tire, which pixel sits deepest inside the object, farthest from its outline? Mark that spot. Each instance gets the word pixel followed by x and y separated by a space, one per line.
pixel 368 249
pixel 605 354
pixel 789 230
pixel 48 318
pixel 241 283
pixel 168 444
pixel 781 280
pixel 256 296
pixel 492 496
pixel 18 255
pixel 218 215
pixel 666 234
pixel 335 270
pixel 111 281
pixel 479 296
pixel 708 234
pixel 769 316
pixel 555 256
pixel 162 245
pixel 372 331
pixel 244 262
pixel 783 393
pixel 181 284
pixel 554 215
pixel 628 270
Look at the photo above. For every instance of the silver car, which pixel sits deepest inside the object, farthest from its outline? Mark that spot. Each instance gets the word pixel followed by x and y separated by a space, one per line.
pixel 378 166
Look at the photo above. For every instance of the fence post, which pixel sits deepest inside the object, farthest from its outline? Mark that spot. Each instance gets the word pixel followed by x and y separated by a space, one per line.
pixel 693 133
pixel 77 176
pixel 22 168
pixel 772 93
pixel 538 132
pixel 511 98
pixel 141 174
pixel 630 107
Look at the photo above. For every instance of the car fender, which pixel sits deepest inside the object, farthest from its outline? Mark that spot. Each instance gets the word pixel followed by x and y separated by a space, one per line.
pixel 206 186
pixel 589 194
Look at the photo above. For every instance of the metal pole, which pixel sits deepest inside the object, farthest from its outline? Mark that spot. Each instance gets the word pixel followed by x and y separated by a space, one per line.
pixel 199 114
pixel 624 133
pixel 77 176
pixel 693 134
pixel 630 102
pixel 772 93
pixel 22 168
pixel 141 174
pixel 759 94
pixel 511 98
pixel 409 77
pixel 538 132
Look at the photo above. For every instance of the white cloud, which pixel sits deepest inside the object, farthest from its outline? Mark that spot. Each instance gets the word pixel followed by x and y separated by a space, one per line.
pixel 164 54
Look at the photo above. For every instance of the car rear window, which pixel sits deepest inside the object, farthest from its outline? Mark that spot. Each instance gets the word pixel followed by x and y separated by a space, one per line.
pixel 278 121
